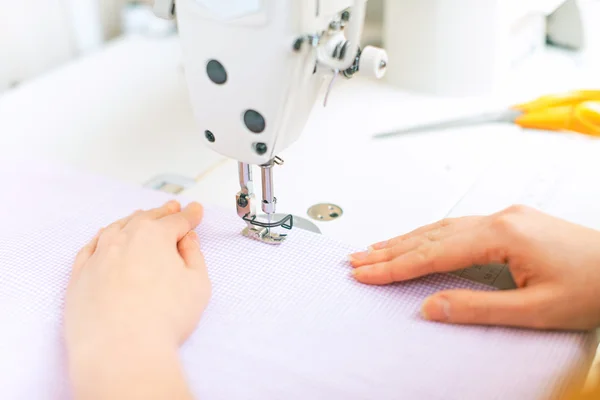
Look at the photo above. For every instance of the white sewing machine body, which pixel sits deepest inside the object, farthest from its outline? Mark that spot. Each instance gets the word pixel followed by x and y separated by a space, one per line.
pixel 261 91
pixel 251 88
pixel 254 71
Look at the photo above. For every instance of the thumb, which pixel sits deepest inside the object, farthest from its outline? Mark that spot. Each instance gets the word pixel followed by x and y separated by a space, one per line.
pixel 189 249
pixel 508 308
pixel 85 253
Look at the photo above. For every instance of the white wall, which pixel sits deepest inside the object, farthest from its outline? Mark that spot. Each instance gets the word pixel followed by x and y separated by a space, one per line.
pixel 39 35
pixel 34 36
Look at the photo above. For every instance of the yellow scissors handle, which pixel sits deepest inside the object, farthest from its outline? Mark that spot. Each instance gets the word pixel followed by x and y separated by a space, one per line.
pixel 558 100
pixel 583 118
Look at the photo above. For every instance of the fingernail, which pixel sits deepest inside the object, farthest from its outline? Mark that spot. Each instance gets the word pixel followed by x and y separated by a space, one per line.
pixel 436 309
pixel 359 256
pixel 172 204
pixel 380 245
pixel 194 236
pixel 194 207
pixel 359 271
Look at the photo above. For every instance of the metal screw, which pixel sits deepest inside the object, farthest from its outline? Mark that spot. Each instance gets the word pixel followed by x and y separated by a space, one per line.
pixel 278 161
pixel 209 136
pixel 260 148
pixel 325 212
pixel 298 43
pixel 242 201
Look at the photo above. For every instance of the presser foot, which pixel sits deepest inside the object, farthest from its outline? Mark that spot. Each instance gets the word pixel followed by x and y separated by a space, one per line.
pixel 263 235
pixel 263 231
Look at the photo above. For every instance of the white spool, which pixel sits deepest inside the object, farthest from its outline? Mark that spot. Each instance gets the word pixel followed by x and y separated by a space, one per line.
pixel 373 62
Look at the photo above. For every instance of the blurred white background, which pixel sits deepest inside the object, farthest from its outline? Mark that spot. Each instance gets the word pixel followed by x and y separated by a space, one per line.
pixel 40 35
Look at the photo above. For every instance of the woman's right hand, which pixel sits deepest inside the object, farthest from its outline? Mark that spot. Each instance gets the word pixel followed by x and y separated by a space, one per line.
pixel 137 292
pixel 555 264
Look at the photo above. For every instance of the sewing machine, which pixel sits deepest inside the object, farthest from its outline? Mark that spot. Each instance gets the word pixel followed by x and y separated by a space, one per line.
pixel 254 71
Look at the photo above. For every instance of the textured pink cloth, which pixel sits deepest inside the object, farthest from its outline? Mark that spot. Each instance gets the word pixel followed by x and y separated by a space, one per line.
pixel 285 322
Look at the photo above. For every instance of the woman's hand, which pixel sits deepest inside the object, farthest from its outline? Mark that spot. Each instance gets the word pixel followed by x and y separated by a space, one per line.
pixel 138 290
pixel 555 264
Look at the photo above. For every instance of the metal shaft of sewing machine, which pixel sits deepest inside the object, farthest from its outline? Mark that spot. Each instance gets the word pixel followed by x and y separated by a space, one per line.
pixel 269 202
pixel 246 206
pixel 246 194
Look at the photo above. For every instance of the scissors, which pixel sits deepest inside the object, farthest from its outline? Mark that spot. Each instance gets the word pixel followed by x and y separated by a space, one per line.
pixel 576 111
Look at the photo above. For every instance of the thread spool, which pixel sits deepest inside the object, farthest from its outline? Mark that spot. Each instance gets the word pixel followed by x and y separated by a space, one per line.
pixel 373 62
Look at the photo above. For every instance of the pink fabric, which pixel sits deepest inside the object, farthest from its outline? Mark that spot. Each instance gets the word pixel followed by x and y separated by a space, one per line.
pixel 285 322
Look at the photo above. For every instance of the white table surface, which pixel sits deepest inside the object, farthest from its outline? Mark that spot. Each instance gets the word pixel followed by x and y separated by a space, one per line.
pixel 124 112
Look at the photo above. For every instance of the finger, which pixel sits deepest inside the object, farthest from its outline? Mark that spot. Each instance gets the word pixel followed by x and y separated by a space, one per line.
pixel 86 252
pixel 506 308
pixel 169 208
pixel 180 224
pixel 121 223
pixel 113 229
pixel 374 256
pixel 189 249
pixel 455 223
pixel 386 251
pixel 166 209
pixel 465 249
